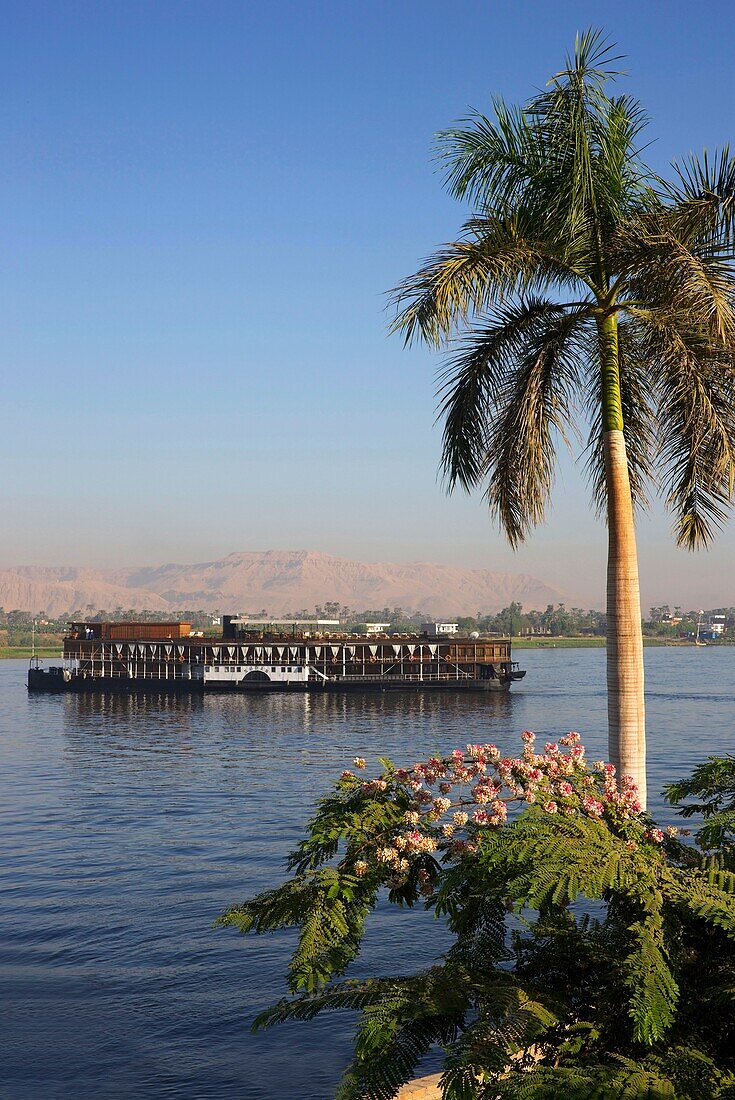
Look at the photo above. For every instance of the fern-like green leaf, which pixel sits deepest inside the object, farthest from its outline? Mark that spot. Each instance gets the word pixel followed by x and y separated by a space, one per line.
pixel 653 990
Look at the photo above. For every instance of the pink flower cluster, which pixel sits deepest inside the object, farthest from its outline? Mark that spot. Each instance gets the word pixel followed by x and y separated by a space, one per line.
pixel 496 815
pixel 473 788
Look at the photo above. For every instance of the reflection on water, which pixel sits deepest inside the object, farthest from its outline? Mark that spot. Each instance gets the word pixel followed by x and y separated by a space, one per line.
pixel 129 822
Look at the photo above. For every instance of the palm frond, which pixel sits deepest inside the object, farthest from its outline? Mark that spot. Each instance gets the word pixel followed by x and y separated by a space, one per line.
pixel 484 160
pixel 566 163
pixel 532 411
pixel 696 391
pixel 590 65
pixel 621 180
pixel 662 271
pixel 702 200
pixel 597 169
pixel 474 385
pixel 496 259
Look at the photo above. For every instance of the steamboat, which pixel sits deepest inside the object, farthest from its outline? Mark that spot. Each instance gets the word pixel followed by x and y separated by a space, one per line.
pixel 253 655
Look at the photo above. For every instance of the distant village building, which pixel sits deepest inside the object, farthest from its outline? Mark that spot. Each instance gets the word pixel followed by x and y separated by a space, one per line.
pixel 435 630
pixel 715 626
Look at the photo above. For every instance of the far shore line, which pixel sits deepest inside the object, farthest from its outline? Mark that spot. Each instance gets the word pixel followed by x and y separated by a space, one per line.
pixel 594 642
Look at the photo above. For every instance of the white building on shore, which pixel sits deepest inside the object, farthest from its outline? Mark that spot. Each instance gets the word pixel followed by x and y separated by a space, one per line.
pixel 436 630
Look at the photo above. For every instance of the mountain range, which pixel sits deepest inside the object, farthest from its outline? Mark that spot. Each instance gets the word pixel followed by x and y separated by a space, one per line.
pixel 279 581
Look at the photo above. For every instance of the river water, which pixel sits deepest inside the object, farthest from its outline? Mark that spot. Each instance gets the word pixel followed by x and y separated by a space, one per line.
pixel 128 824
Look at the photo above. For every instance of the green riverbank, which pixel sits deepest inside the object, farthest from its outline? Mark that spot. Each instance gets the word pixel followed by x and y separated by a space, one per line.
pixel 582 643
pixel 22 651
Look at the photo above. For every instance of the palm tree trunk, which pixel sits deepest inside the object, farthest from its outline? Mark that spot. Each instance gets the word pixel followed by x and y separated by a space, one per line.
pixel 625 700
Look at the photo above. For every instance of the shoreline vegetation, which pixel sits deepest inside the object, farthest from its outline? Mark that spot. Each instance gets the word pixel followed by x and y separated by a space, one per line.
pixel 556 627
pixel 21 651
pixel 594 642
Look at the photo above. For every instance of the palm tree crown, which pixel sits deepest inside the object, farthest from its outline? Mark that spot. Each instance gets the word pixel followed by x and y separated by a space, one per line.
pixel 571 231
pixel 583 288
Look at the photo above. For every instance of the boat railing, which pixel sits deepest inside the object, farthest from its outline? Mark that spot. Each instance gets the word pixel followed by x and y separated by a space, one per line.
pixel 117 674
pixel 416 678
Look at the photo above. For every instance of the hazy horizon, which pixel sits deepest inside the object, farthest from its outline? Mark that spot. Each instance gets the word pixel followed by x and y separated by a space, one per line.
pixel 204 208
pixel 664 594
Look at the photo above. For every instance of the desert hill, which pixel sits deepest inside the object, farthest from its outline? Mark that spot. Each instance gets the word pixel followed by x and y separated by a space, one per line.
pixel 278 580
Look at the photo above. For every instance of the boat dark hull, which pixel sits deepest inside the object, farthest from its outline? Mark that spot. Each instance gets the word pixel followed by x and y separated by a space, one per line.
pixel 42 681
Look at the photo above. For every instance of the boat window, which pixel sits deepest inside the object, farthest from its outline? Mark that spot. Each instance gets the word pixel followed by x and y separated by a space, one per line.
pixel 273 670
pixel 283 669
pixel 239 669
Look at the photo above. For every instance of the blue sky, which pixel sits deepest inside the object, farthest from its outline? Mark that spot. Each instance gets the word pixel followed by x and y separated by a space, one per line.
pixel 203 205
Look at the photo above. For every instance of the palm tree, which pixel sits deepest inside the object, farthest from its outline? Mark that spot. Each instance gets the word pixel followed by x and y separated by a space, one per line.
pixel 585 291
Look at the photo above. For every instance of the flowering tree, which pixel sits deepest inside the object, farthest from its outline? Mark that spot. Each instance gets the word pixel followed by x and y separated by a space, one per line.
pixel 540 995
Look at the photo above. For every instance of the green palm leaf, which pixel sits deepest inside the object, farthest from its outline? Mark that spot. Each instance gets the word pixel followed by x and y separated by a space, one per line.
pixel 506 395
